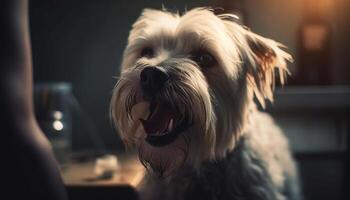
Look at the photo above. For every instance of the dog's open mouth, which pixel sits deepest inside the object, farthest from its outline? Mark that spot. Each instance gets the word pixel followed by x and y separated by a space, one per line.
pixel 163 124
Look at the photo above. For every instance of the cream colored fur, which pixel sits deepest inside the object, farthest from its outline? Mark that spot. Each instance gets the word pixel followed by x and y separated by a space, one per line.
pixel 218 100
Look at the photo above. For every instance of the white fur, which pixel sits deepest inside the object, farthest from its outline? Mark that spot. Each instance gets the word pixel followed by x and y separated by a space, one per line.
pixel 219 100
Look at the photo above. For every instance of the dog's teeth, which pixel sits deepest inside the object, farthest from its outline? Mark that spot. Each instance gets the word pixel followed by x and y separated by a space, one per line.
pixel 170 125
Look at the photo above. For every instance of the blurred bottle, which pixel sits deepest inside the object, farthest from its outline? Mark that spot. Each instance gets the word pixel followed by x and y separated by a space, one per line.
pixel 314 45
pixel 53 112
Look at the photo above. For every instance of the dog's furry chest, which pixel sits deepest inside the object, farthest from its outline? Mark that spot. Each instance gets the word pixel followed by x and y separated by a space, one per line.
pixel 260 167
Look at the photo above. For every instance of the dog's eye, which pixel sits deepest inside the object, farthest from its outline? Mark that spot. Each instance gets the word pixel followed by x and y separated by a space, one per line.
pixel 147 52
pixel 204 59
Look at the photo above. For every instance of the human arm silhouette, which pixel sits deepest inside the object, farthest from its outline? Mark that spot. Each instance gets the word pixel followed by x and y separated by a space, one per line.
pixel 27 163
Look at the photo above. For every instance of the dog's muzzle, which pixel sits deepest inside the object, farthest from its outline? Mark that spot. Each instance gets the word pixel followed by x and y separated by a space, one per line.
pixel 163 124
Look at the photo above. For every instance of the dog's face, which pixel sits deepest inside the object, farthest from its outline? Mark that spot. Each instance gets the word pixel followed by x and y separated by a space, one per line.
pixel 186 83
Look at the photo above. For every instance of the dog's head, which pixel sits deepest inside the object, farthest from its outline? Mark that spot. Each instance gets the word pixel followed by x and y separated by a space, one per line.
pixel 186 83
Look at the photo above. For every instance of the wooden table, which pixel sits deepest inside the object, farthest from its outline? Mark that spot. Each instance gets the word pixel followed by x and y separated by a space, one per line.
pixel 130 173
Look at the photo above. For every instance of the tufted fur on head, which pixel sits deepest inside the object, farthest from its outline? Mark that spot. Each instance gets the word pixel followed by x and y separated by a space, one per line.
pixel 210 102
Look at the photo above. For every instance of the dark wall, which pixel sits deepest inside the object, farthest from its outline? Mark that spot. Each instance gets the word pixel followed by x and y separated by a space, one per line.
pixel 81 42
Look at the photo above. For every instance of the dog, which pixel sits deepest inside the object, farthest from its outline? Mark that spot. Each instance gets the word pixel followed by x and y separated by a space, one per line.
pixel 185 101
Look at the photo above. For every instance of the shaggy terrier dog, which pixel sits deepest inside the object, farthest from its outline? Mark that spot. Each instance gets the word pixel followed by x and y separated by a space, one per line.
pixel 184 100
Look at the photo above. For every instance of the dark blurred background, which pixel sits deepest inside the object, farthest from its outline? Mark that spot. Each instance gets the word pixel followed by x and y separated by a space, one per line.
pixel 79 44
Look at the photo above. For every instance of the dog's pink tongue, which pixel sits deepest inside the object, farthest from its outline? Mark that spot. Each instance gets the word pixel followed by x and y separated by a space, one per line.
pixel 158 122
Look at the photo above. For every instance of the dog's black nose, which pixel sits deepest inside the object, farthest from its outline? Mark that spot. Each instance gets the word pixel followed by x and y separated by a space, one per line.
pixel 152 79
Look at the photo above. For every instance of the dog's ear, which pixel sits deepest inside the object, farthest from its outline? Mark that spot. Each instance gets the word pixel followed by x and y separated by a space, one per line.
pixel 265 62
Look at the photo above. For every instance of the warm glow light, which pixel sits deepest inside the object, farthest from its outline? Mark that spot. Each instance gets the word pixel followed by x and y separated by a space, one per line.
pixel 57 125
pixel 57 115
pixel 318 7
